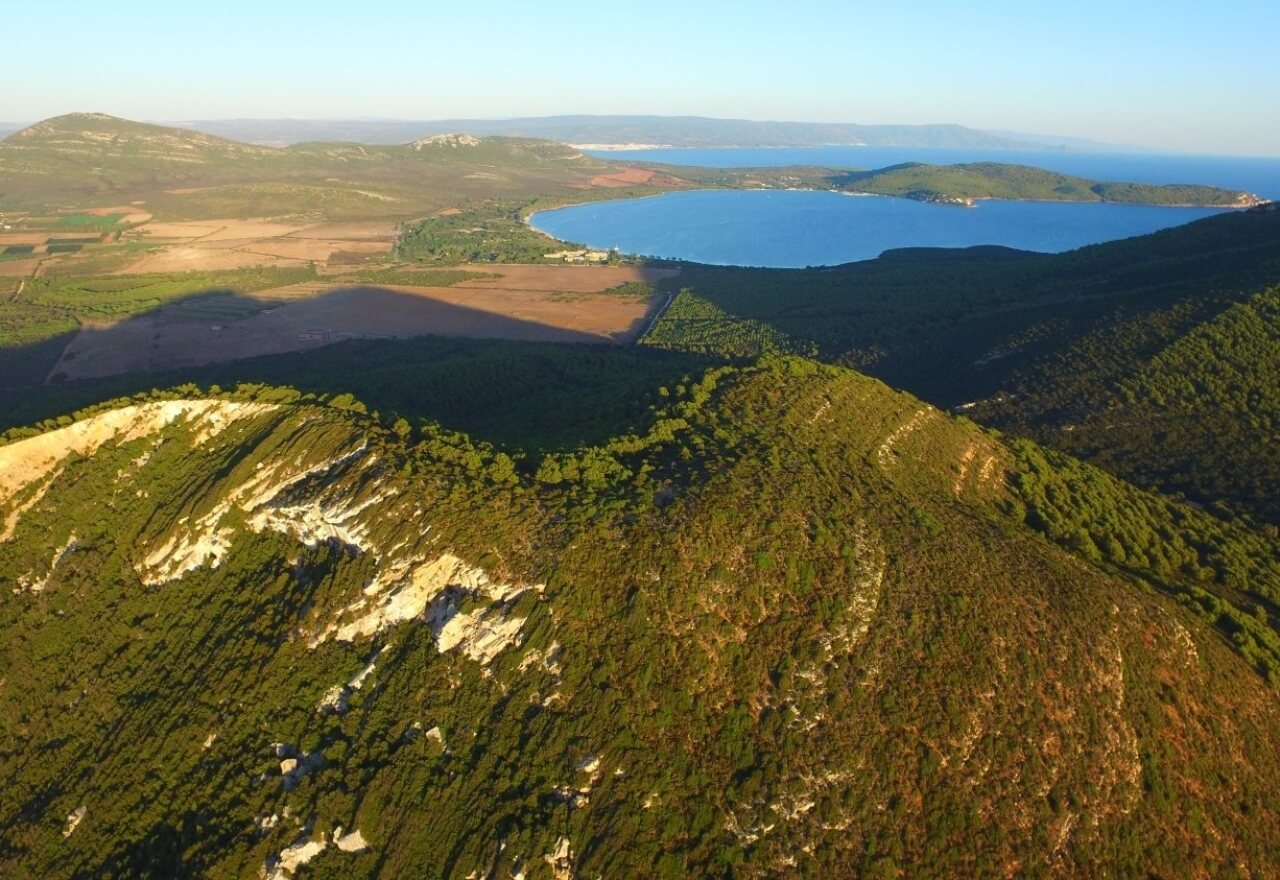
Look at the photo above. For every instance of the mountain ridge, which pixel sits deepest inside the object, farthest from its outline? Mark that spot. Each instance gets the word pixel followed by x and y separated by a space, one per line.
pixel 604 667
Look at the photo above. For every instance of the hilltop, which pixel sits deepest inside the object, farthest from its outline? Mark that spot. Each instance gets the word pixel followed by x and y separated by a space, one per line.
pixel 114 138
pixel 796 624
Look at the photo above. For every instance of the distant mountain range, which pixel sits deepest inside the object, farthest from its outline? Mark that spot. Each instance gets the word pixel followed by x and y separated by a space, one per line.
pixel 676 131
pixel 673 131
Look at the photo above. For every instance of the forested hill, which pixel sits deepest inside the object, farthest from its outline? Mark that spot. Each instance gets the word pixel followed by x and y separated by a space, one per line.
pixel 994 180
pixel 1197 417
pixel 795 624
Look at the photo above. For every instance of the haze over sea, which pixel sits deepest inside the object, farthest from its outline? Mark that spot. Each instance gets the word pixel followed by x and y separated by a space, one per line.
pixel 794 229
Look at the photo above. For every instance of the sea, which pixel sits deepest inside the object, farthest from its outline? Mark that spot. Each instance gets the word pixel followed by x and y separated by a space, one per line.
pixel 797 228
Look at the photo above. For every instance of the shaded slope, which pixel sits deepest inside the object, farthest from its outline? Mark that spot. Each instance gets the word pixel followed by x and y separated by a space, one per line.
pixel 1199 417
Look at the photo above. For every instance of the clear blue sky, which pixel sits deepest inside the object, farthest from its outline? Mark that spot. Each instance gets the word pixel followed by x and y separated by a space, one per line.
pixel 1180 74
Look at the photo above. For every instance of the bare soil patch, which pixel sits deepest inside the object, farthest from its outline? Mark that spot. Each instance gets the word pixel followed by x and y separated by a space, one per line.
pixel 9 238
pixel 238 244
pixel 625 177
pixel 310 316
pixel 317 249
pixel 177 229
pixel 17 268
pixel 190 258
pixel 570 279
pixel 365 230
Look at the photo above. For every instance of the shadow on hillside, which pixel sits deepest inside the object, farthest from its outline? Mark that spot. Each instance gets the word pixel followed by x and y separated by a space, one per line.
pixel 528 385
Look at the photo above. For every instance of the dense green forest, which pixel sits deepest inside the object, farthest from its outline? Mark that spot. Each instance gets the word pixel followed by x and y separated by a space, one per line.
pixel 1198 418
pixel 793 623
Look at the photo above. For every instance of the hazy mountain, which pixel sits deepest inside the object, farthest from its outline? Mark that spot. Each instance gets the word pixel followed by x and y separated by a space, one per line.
pixel 680 131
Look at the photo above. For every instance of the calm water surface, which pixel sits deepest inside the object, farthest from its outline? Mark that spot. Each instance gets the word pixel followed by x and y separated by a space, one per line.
pixel 791 229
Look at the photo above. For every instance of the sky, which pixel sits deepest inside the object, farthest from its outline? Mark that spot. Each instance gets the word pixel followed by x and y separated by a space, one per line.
pixel 1189 76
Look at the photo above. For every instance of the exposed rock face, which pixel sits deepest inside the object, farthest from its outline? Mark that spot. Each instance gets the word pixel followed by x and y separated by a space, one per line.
pixel 264 500
pixel 292 858
pixel 76 817
pixel 437 590
pixel 446 140
pixel 350 843
pixel 336 699
pixel 27 464
pixel 561 860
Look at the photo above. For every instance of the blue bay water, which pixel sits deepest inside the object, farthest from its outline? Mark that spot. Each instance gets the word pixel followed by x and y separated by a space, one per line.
pixel 795 228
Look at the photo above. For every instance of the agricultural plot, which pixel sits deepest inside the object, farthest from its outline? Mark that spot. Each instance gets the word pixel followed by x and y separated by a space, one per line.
pixel 243 243
pixel 530 303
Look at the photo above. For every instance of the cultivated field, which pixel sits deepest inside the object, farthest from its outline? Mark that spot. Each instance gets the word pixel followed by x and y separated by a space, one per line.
pixel 536 303
pixel 207 245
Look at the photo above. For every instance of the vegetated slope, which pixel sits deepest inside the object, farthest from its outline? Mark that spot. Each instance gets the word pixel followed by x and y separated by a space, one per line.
pixel 90 159
pixel 1199 417
pixel 996 180
pixel 803 625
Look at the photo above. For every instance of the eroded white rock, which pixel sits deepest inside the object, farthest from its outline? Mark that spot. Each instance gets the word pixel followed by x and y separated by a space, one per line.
pixel 73 820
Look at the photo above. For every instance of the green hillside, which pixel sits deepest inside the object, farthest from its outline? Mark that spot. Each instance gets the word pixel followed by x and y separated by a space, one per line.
pixel 995 180
pixel 798 624
pixel 1198 417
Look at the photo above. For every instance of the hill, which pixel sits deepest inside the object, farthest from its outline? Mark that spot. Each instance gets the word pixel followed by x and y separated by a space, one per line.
pixel 91 160
pixel 87 160
pixel 113 138
pixel 1194 417
pixel 798 624
pixel 961 184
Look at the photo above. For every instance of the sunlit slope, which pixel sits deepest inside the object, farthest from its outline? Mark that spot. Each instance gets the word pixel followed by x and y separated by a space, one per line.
pixel 90 159
pixel 801 624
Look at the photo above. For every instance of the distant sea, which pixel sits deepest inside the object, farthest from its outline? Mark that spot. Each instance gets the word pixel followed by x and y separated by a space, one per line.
pixel 789 229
